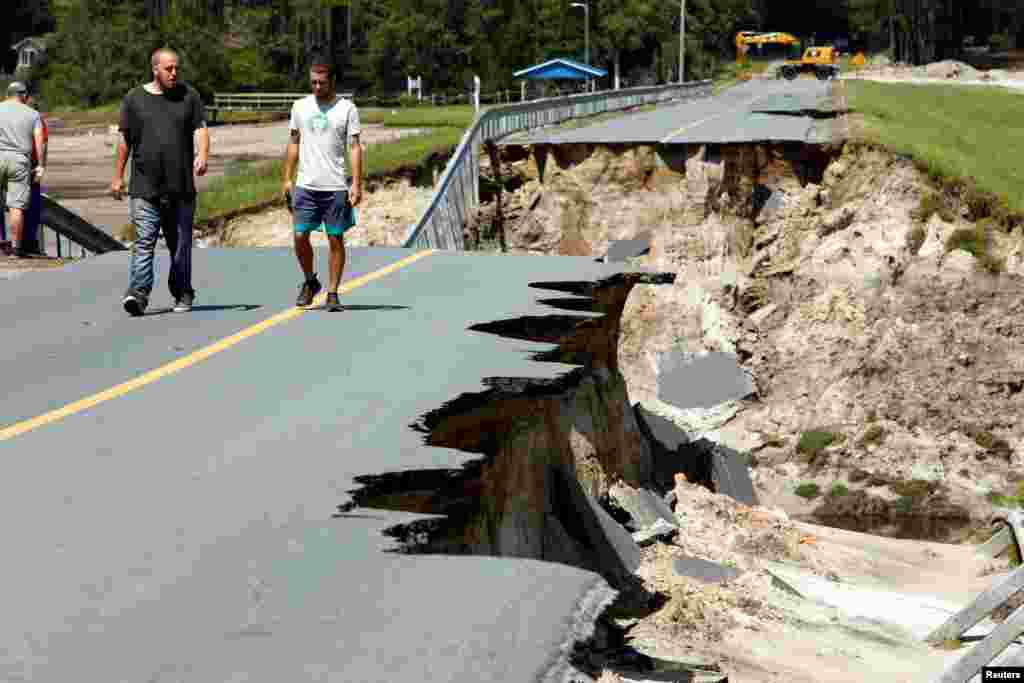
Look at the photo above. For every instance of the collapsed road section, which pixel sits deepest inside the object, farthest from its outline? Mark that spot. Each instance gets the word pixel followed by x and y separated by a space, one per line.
pixel 569 471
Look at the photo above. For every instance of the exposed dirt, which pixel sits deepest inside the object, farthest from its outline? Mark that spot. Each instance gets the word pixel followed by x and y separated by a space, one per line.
pixel 864 331
pixel 385 215
pixel 757 633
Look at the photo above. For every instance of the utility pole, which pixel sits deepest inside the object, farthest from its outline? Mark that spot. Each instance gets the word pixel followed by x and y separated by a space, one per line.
pixel 586 33
pixel 682 32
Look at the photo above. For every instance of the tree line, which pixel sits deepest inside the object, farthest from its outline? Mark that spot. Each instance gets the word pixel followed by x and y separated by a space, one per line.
pixel 98 49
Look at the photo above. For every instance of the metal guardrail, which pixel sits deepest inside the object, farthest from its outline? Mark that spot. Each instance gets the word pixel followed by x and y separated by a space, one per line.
pixel 457 192
pixel 996 642
pixel 256 102
pixel 72 236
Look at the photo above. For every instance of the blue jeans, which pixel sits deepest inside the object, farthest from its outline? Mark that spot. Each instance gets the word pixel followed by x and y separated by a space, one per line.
pixel 173 215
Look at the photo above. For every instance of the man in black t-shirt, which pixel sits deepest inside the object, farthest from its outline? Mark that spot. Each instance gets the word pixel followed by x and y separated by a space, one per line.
pixel 163 128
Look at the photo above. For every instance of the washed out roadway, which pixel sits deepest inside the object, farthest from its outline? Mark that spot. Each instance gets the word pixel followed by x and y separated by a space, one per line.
pixel 755 111
pixel 182 530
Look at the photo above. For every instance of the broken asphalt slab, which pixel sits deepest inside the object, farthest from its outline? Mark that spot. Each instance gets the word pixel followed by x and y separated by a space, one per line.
pixel 703 570
pixel 702 380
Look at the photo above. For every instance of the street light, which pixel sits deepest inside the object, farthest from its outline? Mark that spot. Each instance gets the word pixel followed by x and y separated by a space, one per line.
pixel 586 32
pixel 682 31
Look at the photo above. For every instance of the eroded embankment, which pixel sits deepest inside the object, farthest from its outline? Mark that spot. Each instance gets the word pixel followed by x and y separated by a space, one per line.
pixel 878 313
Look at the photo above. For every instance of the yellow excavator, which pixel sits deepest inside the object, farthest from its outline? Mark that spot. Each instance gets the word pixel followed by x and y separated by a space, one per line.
pixel 819 60
pixel 744 39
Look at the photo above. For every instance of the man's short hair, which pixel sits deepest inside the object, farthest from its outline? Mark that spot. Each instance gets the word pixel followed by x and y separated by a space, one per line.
pixel 323 62
pixel 154 59
pixel 17 88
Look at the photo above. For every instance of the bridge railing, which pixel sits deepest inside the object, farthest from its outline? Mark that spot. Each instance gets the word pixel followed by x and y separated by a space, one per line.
pixel 69 235
pixel 996 642
pixel 457 192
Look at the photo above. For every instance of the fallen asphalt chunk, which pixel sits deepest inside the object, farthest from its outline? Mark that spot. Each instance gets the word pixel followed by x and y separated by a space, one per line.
pixel 702 380
pixel 703 570
pixel 644 507
pixel 659 531
pixel 620 250
pixel 660 430
pixel 732 475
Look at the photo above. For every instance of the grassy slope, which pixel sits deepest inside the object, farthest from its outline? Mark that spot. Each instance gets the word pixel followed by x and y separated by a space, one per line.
pixel 956 132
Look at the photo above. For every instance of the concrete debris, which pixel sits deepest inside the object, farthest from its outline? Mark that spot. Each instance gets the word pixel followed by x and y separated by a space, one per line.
pixel 644 507
pixel 622 250
pixel 661 530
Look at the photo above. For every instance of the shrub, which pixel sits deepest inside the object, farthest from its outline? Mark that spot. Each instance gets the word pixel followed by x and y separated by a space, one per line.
pixel 808 490
pixel 874 434
pixel 814 441
pixel 998 42
pixel 914 489
pixel 931 203
pixel 976 242
pixel 980 204
pixel 971 240
pixel 838 489
pixel 408 100
pixel 915 238
pixel 905 504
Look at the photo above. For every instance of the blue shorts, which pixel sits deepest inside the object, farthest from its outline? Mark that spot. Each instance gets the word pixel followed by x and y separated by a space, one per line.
pixel 330 209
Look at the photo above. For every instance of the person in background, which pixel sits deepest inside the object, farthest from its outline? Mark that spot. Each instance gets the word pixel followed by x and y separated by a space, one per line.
pixel 21 136
pixel 30 235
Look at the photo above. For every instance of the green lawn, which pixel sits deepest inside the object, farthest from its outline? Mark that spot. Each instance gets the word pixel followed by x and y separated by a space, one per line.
pixel 255 183
pixel 456 116
pixel 954 132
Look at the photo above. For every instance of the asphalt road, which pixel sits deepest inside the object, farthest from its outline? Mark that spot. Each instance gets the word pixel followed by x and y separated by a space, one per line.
pixel 181 529
pixel 755 111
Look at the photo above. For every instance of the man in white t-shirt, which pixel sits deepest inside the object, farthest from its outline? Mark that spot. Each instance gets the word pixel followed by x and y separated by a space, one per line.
pixel 321 125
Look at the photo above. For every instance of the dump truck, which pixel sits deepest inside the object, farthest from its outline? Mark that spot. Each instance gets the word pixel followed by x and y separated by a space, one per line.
pixel 819 60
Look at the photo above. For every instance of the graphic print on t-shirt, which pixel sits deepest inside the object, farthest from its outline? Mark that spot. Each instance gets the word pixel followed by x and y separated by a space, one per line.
pixel 318 123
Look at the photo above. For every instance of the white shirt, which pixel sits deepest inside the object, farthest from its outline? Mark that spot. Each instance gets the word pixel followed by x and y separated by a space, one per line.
pixel 324 129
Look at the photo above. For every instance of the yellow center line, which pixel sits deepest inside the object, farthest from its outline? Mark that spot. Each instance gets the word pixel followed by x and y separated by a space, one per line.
pixel 196 356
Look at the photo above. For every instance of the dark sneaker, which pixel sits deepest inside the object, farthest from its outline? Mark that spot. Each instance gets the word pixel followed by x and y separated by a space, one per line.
pixel 332 302
pixel 135 304
pixel 310 288
pixel 183 304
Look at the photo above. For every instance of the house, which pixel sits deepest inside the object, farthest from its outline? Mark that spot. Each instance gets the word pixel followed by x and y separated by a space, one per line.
pixel 31 51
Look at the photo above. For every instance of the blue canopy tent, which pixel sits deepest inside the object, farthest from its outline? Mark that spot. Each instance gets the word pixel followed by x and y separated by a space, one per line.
pixel 559 69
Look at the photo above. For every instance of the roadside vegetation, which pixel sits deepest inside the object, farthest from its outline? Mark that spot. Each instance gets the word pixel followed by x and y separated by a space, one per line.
pixel 259 183
pixel 967 139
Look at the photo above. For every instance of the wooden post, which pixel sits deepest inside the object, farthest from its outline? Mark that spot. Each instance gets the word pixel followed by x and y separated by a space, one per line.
pixel 982 606
pixel 963 669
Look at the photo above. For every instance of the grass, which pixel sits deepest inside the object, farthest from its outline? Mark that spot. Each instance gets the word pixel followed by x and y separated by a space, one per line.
pixel 839 489
pixel 73 116
pixel 256 183
pixel 1008 500
pixel 974 241
pixel 813 442
pixel 874 434
pixel 808 490
pixel 455 116
pixel 914 489
pixel 961 136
